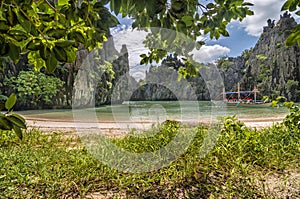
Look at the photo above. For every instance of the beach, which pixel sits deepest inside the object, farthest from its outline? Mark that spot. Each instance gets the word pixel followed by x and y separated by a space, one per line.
pixel 116 120
pixel 114 128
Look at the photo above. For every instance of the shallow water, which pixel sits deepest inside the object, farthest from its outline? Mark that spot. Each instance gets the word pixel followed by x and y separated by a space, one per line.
pixel 144 111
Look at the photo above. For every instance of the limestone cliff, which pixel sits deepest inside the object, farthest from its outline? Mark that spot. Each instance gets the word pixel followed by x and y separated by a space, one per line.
pixel 274 67
pixel 89 81
pixel 100 74
pixel 270 65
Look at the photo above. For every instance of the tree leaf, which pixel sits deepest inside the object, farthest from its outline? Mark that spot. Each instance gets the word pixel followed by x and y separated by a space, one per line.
pixel 3 26
pixel 62 2
pixel 25 23
pixel 51 63
pixel 34 58
pixel 56 33
pixel 5 123
pixel 286 5
pixel 188 20
pixel 19 117
pixel 4 49
pixel 293 38
pixel 65 43
pixel 44 52
pixel 140 5
pixel 18 131
pixel 210 6
pixel 117 6
pixel 11 101
pixel 14 52
pixel 34 44
pixel 71 53
pixel 60 54
pixel 16 121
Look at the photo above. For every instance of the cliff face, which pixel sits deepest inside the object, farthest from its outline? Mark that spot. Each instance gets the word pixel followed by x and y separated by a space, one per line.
pixel 89 81
pixel 161 83
pixel 100 75
pixel 272 66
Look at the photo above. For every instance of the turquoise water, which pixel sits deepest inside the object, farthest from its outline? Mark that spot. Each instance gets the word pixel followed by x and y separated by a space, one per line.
pixel 159 111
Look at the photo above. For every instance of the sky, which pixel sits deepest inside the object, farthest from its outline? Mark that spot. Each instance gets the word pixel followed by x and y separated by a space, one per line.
pixel 243 35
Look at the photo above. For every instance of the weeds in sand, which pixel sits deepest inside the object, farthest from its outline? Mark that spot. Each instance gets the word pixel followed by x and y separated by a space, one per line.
pixel 58 166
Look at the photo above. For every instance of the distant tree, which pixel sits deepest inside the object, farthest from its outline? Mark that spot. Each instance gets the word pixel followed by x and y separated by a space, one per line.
pixel 247 53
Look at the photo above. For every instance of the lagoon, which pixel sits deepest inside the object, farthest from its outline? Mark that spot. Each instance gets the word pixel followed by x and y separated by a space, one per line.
pixel 156 111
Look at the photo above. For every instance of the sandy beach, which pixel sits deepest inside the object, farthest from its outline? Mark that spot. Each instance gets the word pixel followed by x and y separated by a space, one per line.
pixel 118 128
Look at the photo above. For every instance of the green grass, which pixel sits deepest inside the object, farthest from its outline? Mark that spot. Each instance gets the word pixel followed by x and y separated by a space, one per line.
pixel 58 165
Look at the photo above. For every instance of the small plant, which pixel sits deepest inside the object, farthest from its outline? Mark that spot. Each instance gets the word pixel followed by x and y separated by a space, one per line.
pixel 292 120
pixel 10 121
pixel 279 101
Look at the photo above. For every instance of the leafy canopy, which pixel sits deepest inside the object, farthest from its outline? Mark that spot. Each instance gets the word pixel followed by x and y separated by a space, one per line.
pixel 293 6
pixel 52 31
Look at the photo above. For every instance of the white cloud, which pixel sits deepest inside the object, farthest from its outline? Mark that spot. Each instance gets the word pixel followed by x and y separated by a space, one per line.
pixel 209 53
pixel 263 10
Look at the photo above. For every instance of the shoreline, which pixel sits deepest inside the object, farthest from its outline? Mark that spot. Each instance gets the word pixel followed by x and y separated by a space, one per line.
pixel 112 128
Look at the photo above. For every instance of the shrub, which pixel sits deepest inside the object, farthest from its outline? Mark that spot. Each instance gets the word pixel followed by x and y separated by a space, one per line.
pixel 34 89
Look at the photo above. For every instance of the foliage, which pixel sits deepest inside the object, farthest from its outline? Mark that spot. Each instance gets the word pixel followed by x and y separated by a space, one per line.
pixel 290 84
pixel 52 32
pixel 293 6
pixel 237 167
pixel 3 98
pixel 247 53
pixel 261 57
pixel 224 63
pixel 292 121
pixel 11 121
pixel 34 89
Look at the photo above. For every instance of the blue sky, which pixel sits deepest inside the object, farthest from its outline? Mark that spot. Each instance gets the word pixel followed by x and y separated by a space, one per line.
pixel 238 41
pixel 243 35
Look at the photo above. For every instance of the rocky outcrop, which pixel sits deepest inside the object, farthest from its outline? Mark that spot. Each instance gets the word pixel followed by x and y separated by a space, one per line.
pixel 89 81
pixel 270 66
pixel 101 74
pixel 232 70
pixel 161 83
pixel 273 67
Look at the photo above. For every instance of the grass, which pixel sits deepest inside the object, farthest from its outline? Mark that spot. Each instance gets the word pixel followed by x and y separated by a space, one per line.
pixel 239 165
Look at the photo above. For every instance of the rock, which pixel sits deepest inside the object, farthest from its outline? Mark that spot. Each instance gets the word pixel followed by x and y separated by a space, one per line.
pixel 272 66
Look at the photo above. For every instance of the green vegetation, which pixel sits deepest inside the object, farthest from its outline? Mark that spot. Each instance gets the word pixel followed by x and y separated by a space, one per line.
pixel 10 121
pixel 52 31
pixel 241 164
pixel 34 89
pixel 261 57
pixel 224 63
pixel 294 36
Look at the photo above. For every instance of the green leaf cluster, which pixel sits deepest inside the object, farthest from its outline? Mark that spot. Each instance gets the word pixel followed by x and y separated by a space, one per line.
pixel 52 31
pixel 11 121
pixel 293 6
